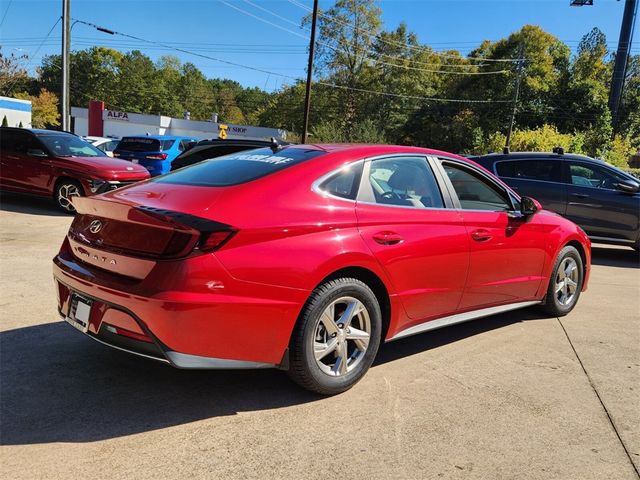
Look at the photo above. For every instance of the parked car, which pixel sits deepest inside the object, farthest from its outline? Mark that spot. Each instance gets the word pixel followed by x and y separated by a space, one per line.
pixel 154 152
pixel 306 257
pixel 106 144
pixel 59 165
pixel 602 199
pixel 206 149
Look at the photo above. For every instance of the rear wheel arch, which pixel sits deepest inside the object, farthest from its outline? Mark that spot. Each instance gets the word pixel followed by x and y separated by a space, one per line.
pixel 374 282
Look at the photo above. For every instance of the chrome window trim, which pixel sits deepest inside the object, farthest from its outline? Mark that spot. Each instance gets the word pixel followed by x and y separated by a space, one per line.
pixel 315 186
pixel 507 191
pixel 423 156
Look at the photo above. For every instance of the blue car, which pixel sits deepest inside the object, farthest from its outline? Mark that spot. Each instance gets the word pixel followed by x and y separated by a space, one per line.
pixel 153 152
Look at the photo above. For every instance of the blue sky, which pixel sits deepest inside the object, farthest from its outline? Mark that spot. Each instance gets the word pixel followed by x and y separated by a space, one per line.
pixel 215 29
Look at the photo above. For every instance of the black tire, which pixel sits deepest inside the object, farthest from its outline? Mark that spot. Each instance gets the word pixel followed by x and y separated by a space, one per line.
pixel 316 375
pixel 553 303
pixel 65 189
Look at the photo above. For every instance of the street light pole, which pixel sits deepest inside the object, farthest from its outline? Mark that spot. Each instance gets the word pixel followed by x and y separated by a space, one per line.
pixel 307 97
pixel 66 46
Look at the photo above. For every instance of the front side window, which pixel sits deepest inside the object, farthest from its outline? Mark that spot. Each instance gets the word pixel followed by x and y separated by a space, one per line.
pixel 475 192
pixel 585 175
pixel 63 145
pixel 404 181
pixel 543 170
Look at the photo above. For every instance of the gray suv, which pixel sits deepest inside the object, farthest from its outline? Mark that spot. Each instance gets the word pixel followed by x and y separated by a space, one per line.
pixel 602 199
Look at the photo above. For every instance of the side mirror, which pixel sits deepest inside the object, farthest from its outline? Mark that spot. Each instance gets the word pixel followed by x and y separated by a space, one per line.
pixel 628 186
pixel 529 206
pixel 36 152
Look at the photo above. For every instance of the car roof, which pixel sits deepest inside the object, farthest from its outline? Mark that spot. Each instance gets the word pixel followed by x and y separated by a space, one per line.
pixel 161 137
pixel 533 155
pixel 39 131
pixel 236 141
pixel 376 149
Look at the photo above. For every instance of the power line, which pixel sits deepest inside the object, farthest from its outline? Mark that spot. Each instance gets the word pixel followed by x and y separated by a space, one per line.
pixel 343 87
pixel 405 67
pixel 10 87
pixel 5 13
pixel 403 45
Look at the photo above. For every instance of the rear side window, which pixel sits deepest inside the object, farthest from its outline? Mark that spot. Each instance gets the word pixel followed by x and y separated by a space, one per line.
pixel 544 170
pixel 133 144
pixel 239 167
pixel 344 183
pixel 18 142
pixel 167 144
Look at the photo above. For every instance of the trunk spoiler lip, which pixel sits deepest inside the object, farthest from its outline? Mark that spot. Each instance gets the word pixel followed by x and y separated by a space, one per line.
pixel 200 224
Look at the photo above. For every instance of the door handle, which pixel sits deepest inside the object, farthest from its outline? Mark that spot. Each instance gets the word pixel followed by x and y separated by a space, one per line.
pixel 580 195
pixel 11 157
pixel 481 235
pixel 387 238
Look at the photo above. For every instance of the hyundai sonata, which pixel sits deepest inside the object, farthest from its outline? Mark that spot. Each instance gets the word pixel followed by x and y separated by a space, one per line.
pixel 307 257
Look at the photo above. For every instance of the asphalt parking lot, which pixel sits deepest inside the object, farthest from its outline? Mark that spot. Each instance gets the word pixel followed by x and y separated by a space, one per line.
pixel 514 396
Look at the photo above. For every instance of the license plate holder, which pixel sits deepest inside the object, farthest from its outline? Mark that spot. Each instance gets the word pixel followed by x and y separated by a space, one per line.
pixel 79 312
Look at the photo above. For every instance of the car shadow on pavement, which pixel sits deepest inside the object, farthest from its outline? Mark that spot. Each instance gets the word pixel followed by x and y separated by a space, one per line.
pixel 14 202
pixel 615 257
pixel 58 386
pixel 437 338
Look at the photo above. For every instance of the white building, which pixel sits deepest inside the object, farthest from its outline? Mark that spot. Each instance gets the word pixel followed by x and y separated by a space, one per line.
pixel 16 111
pixel 111 123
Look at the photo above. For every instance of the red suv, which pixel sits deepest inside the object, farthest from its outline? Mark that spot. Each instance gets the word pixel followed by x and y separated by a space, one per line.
pixel 61 165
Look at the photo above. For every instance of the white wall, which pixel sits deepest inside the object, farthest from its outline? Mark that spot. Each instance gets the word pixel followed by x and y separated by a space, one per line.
pixel 120 124
pixel 16 111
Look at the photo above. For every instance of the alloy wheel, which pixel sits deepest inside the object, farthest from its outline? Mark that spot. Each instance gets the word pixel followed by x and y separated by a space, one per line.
pixel 567 279
pixel 342 335
pixel 65 193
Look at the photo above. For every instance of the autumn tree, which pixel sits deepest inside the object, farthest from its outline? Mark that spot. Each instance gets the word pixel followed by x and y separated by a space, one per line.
pixel 44 108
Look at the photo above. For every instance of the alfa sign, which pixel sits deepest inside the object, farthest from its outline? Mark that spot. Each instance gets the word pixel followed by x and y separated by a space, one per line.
pixel 114 115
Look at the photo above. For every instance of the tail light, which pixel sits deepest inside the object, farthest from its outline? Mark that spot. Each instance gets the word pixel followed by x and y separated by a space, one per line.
pixel 213 235
pixel 159 156
pixel 211 241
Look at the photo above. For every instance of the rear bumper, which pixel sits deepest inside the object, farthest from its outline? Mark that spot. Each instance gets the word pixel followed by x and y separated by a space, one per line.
pixel 248 328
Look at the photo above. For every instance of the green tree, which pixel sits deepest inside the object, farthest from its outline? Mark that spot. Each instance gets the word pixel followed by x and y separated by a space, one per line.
pixel 5 122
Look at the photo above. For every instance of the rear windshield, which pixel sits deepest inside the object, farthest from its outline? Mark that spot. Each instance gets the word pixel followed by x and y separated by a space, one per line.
pixel 239 167
pixel 204 152
pixel 144 144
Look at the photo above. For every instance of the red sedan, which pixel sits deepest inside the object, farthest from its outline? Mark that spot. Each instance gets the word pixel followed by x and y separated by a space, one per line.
pixel 307 257
pixel 60 165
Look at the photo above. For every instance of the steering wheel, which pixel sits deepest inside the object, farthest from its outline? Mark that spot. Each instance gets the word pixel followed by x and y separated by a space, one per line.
pixel 391 195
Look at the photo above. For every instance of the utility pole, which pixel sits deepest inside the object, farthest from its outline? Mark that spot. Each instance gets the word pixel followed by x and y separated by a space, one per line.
pixel 516 95
pixel 66 44
pixel 307 96
pixel 620 67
